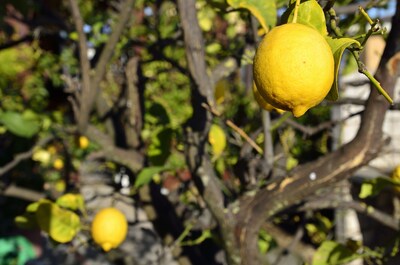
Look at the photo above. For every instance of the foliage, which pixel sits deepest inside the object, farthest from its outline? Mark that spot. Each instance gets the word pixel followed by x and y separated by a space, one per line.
pixel 40 88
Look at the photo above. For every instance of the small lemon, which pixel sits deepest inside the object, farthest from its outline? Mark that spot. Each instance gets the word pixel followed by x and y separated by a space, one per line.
pixel 294 68
pixel 217 139
pixel 396 176
pixel 262 103
pixel 109 228
pixel 58 164
pixel 83 142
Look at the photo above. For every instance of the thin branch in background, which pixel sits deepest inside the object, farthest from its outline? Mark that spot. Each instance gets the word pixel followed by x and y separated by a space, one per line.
pixel 22 193
pixel 134 115
pixel 291 243
pixel 130 158
pixel 83 115
pixel 90 85
pixel 235 128
pixel 266 116
pixel 310 131
pixel 360 207
pixel 25 155
pixel 223 69
pixel 124 15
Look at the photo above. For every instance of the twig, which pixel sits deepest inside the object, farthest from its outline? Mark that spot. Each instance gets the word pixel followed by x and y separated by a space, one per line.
pixel 234 127
pixel 360 207
pixel 291 243
pixel 356 51
pixel 25 155
pixel 224 69
pixel 22 193
pixel 130 158
pixel 309 131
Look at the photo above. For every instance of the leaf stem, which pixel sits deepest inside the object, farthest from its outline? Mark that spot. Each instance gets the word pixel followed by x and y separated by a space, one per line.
pixel 296 11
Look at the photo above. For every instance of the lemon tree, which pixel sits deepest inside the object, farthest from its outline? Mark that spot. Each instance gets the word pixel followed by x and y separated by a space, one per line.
pixel 109 228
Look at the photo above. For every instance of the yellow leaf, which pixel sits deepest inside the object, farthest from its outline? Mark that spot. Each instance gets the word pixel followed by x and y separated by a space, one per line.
pixel 61 225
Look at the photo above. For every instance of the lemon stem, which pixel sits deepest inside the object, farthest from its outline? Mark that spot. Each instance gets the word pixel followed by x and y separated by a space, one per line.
pixel 296 11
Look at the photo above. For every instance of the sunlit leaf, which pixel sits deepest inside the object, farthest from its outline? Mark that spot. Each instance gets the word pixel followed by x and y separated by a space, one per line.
pixel 331 252
pixel 20 125
pixel 32 207
pixel 61 225
pixel 71 201
pixel 310 13
pixel 26 221
pixel 146 175
pixel 264 11
pixel 338 45
pixel 373 187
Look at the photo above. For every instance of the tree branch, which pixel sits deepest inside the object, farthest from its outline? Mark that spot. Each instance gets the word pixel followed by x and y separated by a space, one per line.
pixel 101 67
pixel 127 157
pixel 310 131
pixel 134 113
pixel 22 193
pixel 196 132
pixel 25 155
pixel 360 207
pixel 85 94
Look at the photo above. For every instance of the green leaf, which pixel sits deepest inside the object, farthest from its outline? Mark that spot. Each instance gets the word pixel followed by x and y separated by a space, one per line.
pixel 71 201
pixel 32 207
pixel 338 45
pixel 331 252
pixel 265 241
pixel 310 13
pixel 61 225
pixel 20 124
pixel 26 221
pixel 264 11
pixel 160 148
pixel 372 187
pixel 145 176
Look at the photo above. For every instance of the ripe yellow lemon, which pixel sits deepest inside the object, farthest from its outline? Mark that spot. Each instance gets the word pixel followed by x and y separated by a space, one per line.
pixel 109 228
pixel 262 103
pixel 294 68
pixel 83 142
pixel 58 164
pixel 396 176
pixel 217 139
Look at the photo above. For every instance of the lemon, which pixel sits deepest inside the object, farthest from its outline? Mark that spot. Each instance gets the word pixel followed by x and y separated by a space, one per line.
pixel 217 139
pixel 58 164
pixel 109 228
pixel 293 68
pixel 83 142
pixel 262 103
pixel 396 176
